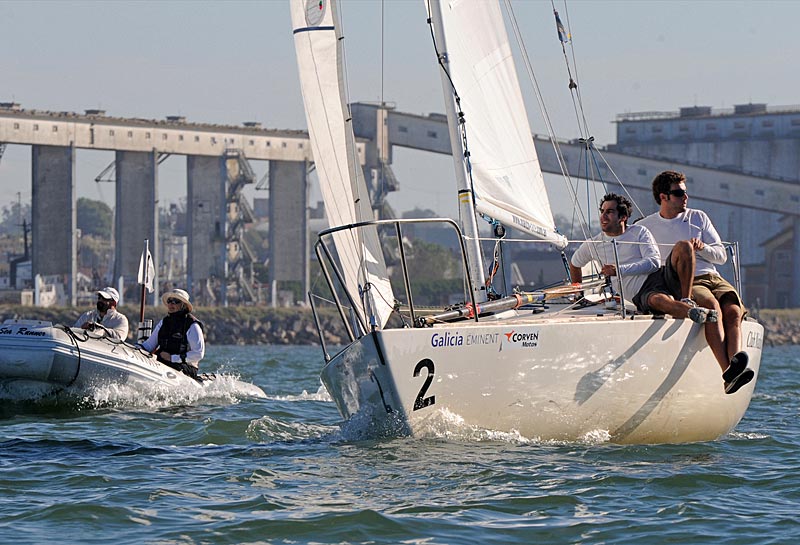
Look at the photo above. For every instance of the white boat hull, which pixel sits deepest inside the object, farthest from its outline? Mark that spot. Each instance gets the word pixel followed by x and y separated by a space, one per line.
pixel 535 377
pixel 35 353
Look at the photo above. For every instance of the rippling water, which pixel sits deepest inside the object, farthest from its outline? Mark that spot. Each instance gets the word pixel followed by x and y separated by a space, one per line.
pixel 132 467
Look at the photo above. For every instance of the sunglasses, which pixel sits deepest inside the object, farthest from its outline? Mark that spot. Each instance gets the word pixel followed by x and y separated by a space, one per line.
pixel 173 301
pixel 677 192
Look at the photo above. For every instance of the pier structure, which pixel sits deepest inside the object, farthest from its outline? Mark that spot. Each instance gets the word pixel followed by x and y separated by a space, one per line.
pixel 219 262
pixel 737 196
pixel 750 140
pixel 742 167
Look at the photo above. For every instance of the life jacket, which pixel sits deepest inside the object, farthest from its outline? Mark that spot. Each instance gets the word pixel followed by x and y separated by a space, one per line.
pixel 172 335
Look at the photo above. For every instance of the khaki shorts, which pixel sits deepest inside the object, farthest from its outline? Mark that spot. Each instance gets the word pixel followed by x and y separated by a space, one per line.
pixel 713 285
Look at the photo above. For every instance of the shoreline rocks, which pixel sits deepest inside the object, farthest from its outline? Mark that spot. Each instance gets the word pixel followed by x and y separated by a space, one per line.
pixel 231 325
pixel 286 326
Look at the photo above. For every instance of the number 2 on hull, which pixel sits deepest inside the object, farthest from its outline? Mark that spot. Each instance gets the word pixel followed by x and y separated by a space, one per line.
pixel 421 402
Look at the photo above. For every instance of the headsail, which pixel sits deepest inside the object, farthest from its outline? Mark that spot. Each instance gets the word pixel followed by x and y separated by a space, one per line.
pixel 319 60
pixel 507 179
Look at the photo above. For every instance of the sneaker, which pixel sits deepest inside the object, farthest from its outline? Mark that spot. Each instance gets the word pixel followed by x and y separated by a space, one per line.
pixel 737 374
pixel 737 365
pixel 712 316
pixel 733 386
pixel 689 302
pixel 698 315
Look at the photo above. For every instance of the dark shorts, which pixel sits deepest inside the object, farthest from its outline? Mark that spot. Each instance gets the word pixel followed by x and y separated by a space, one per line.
pixel 664 280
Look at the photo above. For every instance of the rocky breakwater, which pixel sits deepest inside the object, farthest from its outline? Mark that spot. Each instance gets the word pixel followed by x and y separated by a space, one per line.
pixel 782 326
pixel 231 325
pixel 257 325
pixel 262 325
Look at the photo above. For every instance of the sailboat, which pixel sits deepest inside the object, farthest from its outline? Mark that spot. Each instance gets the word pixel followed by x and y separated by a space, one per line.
pixel 535 363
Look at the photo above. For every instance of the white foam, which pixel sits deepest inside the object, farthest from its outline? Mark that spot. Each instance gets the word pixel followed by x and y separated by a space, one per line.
pixel 320 395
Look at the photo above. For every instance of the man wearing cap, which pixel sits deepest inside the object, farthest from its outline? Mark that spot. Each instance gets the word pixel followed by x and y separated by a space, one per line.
pixel 177 340
pixel 106 315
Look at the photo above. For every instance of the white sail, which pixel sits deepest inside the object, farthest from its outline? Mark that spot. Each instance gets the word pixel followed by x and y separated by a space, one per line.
pixel 319 59
pixel 507 180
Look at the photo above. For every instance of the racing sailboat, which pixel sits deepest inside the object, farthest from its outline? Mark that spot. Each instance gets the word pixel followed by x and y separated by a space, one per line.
pixel 535 363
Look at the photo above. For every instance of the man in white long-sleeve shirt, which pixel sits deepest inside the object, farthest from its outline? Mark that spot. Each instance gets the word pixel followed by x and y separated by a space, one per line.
pixel 106 315
pixel 675 222
pixel 649 286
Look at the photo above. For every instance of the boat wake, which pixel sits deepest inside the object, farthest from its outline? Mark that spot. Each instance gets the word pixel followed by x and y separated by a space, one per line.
pixel 268 429
pixel 446 425
pixel 320 395
pixel 223 389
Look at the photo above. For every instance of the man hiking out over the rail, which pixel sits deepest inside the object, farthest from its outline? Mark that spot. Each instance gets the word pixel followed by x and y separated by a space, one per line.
pixel 653 289
pixel 676 223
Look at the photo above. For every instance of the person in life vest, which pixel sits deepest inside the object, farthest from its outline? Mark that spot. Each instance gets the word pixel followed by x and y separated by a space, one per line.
pixel 114 323
pixel 177 340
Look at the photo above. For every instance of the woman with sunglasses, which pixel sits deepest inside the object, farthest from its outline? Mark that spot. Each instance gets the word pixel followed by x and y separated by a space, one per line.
pixel 177 340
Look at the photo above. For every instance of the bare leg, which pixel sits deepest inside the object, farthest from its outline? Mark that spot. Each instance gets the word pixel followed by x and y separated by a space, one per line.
pixel 683 260
pixel 662 302
pixel 713 331
pixel 732 324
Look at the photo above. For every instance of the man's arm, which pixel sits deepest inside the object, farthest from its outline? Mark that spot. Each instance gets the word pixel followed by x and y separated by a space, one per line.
pixel 581 257
pixel 117 325
pixel 709 246
pixel 84 318
pixel 575 274
pixel 650 259
pixel 152 341
pixel 197 346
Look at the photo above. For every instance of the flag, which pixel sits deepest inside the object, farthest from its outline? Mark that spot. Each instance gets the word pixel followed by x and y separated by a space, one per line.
pixel 147 271
pixel 562 34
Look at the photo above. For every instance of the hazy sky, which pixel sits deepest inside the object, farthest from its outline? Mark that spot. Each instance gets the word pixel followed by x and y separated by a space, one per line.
pixel 229 62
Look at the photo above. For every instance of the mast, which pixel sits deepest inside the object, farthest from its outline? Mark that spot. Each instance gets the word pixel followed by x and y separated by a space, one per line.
pixel 466 200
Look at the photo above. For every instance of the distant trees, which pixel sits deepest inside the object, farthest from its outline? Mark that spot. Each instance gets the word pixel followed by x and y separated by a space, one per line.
pixel 95 218
pixel 11 217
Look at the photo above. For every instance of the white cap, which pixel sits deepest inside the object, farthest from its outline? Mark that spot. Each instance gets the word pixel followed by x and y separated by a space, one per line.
pixel 109 293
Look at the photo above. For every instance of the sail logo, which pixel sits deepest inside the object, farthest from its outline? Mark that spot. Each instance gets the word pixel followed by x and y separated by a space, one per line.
pixel 522 339
pixel 528 225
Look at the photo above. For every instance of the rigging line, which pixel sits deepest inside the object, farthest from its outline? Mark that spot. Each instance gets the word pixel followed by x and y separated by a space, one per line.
pixel 381 181
pixel 592 248
pixel 575 64
pixel 619 181
pixel 575 92
pixel 349 120
pixel 545 115
pixel 359 203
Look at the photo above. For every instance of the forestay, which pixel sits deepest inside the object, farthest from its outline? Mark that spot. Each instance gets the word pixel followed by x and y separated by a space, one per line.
pixel 320 58
pixel 507 179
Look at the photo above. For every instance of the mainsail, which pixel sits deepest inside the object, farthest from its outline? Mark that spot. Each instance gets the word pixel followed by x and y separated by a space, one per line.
pixel 319 58
pixel 507 180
